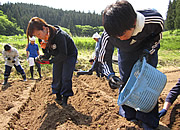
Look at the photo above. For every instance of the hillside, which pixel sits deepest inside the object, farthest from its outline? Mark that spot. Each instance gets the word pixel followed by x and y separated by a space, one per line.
pixel 22 12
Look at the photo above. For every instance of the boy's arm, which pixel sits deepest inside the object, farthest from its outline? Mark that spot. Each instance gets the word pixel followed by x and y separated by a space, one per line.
pixel 27 54
pixel 37 49
pixel 171 97
pixel 16 55
pixel 174 93
pixel 38 52
pixel 4 55
pixel 105 55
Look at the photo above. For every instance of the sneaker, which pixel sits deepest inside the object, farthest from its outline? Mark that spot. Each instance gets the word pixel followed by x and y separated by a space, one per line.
pixel 31 78
pixel 4 83
pixel 24 80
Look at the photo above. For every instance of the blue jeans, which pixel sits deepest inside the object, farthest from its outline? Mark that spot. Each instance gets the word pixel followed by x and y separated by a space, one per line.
pixel 62 76
pixel 8 70
pixel 126 62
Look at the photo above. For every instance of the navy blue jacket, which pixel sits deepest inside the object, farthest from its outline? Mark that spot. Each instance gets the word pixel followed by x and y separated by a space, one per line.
pixel 63 47
pixel 174 92
pixel 147 38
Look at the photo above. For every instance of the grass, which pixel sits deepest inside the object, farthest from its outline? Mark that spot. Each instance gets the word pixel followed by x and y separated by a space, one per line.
pixel 169 53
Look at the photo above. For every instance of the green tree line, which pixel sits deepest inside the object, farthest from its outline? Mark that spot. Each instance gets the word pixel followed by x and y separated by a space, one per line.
pixel 21 13
pixel 173 15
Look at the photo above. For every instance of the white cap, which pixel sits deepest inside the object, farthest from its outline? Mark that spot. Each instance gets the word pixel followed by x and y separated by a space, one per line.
pixel 32 38
pixel 96 35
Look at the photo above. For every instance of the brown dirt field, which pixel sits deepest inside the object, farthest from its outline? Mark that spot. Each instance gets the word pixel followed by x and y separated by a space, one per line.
pixel 31 106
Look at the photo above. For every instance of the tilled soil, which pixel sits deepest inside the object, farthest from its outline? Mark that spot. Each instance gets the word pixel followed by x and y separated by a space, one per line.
pixel 31 106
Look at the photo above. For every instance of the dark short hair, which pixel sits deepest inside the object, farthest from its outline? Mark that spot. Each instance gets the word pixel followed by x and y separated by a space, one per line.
pixel 7 47
pixel 119 17
pixel 91 60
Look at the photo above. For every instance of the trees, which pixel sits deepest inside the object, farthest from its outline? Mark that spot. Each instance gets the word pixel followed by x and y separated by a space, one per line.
pixel 87 30
pixel 7 27
pixel 177 19
pixel 173 15
pixel 69 19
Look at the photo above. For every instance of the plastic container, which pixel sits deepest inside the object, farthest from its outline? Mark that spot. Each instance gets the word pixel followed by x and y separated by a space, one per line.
pixel 143 87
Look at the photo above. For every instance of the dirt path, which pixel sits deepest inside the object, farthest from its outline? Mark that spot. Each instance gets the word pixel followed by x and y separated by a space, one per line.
pixel 31 106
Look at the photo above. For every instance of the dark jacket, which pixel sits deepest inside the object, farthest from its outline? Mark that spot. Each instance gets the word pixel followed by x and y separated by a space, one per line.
pixel 148 37
pixel 174 93
pixel 62 47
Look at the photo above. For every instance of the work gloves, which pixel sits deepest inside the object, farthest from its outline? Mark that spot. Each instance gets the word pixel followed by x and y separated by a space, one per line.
pixel 13 61
pixel 115 82
pixel 145 54
pixel 162 113
pixel 41 60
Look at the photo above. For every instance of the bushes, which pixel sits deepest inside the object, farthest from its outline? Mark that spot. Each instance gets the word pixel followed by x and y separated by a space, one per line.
pixel 85 43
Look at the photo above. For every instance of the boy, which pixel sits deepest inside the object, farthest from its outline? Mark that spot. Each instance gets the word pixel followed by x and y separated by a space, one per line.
pixel 32 52
pixel 11 55
pixel 96 66
pixel 131 32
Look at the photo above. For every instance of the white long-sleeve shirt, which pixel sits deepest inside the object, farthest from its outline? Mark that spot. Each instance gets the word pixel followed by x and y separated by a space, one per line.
pixel 13 55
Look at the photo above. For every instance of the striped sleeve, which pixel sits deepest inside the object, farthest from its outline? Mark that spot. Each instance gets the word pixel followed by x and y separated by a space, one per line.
pixel 155 19
pixel 105 54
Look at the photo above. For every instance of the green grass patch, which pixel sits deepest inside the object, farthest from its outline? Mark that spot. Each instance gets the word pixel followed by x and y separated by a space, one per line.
pixel 170 43
pixel 169 53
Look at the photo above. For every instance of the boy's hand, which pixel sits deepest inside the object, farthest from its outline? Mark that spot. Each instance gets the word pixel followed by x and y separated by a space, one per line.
pixel 39 58
pixel 162 113
pixel 115 82
pixel 145 54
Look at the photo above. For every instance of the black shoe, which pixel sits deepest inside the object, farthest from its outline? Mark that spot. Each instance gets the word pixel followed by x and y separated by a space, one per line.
pixel 40 78
pixel 58 98
pixel 64 100
pixel 146 127
pixel 90 72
